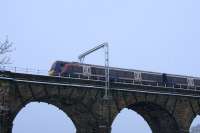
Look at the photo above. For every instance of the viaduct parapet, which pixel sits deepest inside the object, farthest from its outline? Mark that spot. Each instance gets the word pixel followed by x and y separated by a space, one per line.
pixel 166 109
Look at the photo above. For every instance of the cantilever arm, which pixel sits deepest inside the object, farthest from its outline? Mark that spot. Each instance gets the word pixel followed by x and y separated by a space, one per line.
pixel 82 56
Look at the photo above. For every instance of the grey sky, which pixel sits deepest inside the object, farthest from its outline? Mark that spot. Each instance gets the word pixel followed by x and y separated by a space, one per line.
pixel 150 35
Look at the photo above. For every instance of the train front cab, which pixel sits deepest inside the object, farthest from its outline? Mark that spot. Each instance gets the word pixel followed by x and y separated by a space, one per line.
pixel 57 68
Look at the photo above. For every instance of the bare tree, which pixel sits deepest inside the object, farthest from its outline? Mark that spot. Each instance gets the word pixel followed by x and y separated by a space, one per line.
pixel 5 48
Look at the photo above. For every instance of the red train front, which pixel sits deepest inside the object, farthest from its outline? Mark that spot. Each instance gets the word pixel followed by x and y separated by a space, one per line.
pixel 61 68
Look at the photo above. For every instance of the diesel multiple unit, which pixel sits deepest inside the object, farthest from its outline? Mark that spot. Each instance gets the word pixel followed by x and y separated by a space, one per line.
pixel 74 69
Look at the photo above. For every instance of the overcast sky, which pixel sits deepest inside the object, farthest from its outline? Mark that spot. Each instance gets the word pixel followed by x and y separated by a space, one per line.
pixel 151 35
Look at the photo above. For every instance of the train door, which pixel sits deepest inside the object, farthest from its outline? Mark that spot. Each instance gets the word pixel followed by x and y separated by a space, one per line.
pixel 86 70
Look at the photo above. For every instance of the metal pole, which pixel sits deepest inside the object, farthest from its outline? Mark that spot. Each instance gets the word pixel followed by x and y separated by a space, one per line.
pixel 107 77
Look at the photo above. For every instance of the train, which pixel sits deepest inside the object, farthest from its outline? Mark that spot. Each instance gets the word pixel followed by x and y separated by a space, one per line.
pixel 96 72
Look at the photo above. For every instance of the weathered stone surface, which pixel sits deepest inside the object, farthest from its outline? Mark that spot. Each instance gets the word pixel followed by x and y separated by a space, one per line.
pixel 89 111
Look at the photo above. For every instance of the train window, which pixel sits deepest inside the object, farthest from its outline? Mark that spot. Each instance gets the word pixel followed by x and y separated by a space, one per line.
pixel 93 71
pixel 197 82
pixel 86 70
pixel 164 78
pixel 76 68
pixel 127 74
pixel 53 66
pixel 79 69
pixel 62 64
pixel 138 76
pixel 100 71
pixel 113 73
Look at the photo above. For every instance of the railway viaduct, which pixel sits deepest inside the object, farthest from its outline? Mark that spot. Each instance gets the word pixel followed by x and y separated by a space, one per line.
pixel 166 109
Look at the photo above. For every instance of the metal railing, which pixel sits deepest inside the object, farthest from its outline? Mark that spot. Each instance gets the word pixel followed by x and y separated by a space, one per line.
pixel 100 78
pixel 132 81
pixel 24 70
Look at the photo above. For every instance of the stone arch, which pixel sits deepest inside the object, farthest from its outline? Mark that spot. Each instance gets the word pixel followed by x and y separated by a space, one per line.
pixel 195 124
pixel 129 121
pixel 158 118
pixel 191 120
pixel 194 121
pixel 80 114
pixel 193 115
pixel 77 103
pixel 50 103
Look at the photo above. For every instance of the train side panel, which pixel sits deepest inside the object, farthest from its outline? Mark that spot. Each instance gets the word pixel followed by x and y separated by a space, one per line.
pixel 60 68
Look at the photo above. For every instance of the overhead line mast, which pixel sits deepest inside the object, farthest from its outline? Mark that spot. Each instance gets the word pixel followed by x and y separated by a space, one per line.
pixel 107 81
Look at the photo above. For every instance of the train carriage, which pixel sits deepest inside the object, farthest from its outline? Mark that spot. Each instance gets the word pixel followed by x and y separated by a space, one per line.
pixel 75 69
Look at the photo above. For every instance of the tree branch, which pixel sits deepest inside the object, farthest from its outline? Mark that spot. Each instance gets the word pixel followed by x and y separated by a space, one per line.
pixel 5 47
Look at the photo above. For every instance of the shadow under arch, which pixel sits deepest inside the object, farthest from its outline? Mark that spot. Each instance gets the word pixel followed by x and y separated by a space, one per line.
pixel 45 105
pixel 158 118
